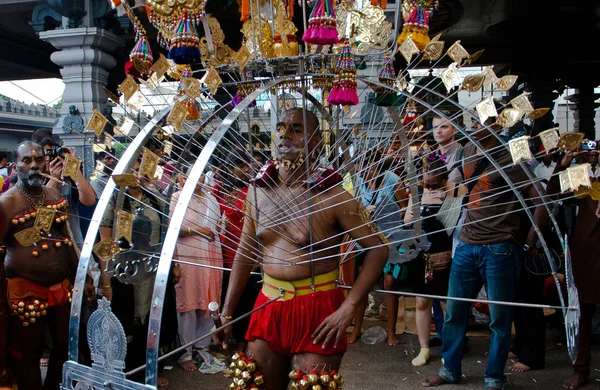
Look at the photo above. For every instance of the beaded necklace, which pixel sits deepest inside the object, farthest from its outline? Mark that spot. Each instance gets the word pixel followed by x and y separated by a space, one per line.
pixel 30 199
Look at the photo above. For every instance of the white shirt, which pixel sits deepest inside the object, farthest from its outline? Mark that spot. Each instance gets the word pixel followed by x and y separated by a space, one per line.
pixel 544 172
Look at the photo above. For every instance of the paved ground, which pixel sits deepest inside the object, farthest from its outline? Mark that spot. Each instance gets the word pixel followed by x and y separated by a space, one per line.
pixel 383 367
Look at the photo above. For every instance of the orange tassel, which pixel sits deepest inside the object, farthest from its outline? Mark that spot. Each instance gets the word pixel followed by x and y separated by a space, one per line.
pixel 374 3
pixel 384 4
pixel 245 10
pixel 290 8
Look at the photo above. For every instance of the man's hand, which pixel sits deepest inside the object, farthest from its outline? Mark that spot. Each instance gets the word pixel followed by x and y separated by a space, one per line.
pixel 334 327
pixel 56 168
pixel 107 292
pixel 89 291
pixel 205 231
pixel 223 336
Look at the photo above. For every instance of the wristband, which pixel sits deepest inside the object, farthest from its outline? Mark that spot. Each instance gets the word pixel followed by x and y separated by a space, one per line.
pixel 228 318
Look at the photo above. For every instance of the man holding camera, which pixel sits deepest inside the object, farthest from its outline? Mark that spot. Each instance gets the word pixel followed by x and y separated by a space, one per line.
pixel 54 159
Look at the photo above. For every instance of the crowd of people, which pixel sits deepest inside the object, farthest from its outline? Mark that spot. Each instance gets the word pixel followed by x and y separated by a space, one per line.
pixel 272 240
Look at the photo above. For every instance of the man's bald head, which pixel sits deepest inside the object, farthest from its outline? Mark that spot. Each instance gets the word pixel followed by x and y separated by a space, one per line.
pixel 311 119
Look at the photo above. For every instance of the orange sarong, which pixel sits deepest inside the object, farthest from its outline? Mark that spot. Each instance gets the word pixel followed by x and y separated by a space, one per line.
pixel 21 289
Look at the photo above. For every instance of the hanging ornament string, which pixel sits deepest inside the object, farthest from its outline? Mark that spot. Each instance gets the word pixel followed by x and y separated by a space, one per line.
pixel 185 45
pixel 344 87
pixel 417 14
pixel 322 26
pixel 140 58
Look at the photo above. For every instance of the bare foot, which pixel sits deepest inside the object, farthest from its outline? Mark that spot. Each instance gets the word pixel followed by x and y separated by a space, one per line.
pixel 162 382
pixel 188 366
pixel 354 336
pixel 434 381
pixel 393 340
pixel 574 382
pixel 512 356
pixel 519 367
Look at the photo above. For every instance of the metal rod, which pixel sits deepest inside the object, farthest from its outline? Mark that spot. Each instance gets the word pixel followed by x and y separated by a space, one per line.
pixel 173 352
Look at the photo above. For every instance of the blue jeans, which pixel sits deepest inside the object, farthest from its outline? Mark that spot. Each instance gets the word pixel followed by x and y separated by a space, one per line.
pixel 497 267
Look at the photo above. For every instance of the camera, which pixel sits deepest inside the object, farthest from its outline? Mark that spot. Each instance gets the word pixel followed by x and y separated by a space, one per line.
pixel 589 145
pixel 58 151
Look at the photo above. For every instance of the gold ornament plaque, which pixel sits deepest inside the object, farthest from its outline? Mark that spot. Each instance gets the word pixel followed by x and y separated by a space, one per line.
pixel 522 103
pixel 109 141
pixel 509 117
pixel 474 57
pixel 158 174
pixel 126 126
pixel 401 82
pixel 106 249
pixel 486 109
pixel 125 180
pixel 490 76
pixel 111 95
pixel 473 82
pixel 149 164
pixel 28 237
pixel 451 77
pixel 433 51
pixel 136 102
pixel 97 123
pixel 212 80
pixel 549 138
pixel 71 166
pixel 575 177
pixel 44 219
pixel 128 87
pixel 408 48
pixel 191 87
pixel 570 141
pixel 177 115
pixel 506 82
pixel 457 53
pixel 160 67
pixel 538 113
pixel 519 149
pixel 124 225
pixel 242 57
pixel 141 66
pixel 167 148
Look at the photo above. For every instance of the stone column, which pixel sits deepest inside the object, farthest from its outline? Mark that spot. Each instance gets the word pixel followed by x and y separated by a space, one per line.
pixel 84 57
pixel 584 110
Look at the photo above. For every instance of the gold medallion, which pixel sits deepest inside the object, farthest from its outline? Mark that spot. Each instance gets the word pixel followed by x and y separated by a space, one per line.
pixel 177 115
pixel 28 237
pixel 97 123
pixel 44 219
pixel 106 249
pixel 71 166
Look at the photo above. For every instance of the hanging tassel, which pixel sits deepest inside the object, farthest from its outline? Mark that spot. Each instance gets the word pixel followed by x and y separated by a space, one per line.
pixel 344 87
pixel 140 58
pixel 245 10
pixel 185 43
pixel 387 76
pixel 322 27
pixel 416 25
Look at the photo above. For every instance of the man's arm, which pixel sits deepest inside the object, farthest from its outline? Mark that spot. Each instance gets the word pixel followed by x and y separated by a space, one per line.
pixel 87 195
pixel 348 216
pixel 7 203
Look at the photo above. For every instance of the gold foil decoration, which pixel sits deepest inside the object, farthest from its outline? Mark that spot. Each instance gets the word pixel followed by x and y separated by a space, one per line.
pixel 401 82
pixel 106 249
pixel 594 191
pixel 212 80
pixel 474 57
pixel 160 67
pixel 570 141
pixel 506 82
pixel 124 225
pixel 549 138
pixel 522 103
pixel 473 82
pixel 111 95
pixel 167 148
pixel 408 48
pixel 44 219
pixel 71 166
pixel 191 87
pixel 451 77
pixel 128 87
pixel 242 57
pixel 141 66
pixel 519 149
pixel 97 123
pixel 433 50
pixel 221 52
pixel 509 117
pixel 575 177
pixel 370 28
pixel 457 53
pixel 108 141
pixel 136 102
pixel 125 180
pixel 28 237
pixel 126 126
pixel 149 164
pixel 538 113
pixel 486 109
pixel 159 173
pixel 490 76
pixel 98 169
pixel 283 28
pixel 177 115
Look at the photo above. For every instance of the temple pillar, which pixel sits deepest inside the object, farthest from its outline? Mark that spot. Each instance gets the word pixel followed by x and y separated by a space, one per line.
pixel 84 59
pixel 584 107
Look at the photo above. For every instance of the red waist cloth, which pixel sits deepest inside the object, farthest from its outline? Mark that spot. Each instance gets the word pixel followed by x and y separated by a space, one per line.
pixel 20 289
pixel 287 326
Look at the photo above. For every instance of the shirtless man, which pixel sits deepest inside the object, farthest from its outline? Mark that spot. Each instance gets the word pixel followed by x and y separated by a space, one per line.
pixel 38 276
pixel 306 327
